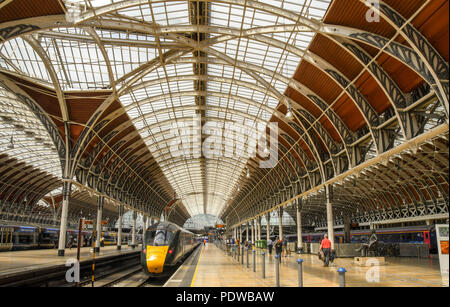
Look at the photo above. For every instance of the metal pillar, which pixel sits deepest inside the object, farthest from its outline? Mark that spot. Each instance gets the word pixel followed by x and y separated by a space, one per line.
pixel 259 229
pixel 280 223
pixel 144 228
pixel 252 228
pixel 119 231
pixel 342 272
pixel 347 227
pixel 299 229
pixel 240 234
pixel 263 264
pixel 268 226
pixel 246 232
pixel 133 231
pixel 300 272
pixel 67 187
pixel 277 270
pixel 254 260
pixel 100 202
pixel 247 256
pixel 330 220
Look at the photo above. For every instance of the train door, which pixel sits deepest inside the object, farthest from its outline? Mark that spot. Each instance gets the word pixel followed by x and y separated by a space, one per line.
pixel 6 236
pixel 426 238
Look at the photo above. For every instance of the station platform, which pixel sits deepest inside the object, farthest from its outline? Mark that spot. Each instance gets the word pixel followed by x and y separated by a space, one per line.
pixel 15 262
pixel 216 269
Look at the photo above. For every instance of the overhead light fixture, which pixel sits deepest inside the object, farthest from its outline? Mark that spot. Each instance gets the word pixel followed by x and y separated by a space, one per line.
pixel 248 172
pixel 289 115
pixel 238 188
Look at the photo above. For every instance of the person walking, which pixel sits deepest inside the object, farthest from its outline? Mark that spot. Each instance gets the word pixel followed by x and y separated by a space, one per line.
pixel 325 247
pixel 269 246
pixel 285 247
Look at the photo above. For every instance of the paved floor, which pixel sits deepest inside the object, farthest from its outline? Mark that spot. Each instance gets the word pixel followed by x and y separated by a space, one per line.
pixel 18 261
pixel 215 269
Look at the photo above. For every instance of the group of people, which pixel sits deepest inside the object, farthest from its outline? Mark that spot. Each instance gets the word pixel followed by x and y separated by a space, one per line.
pixel 281 249
pixel 281 246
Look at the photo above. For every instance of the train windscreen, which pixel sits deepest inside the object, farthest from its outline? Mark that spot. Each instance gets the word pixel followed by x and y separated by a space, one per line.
pixel 159 237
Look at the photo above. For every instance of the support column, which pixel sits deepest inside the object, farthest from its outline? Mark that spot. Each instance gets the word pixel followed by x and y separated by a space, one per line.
pixel 252 226
pixel 330 220
pixel 100 202
pixel 246 232
pixel 144 228
pixel 119 231
pixel 259 228
pixel 299 227
pixel 240 234
pixel 133 231
pixel 280 223
pixel 347 226
pixel 268 226
pixel 67 187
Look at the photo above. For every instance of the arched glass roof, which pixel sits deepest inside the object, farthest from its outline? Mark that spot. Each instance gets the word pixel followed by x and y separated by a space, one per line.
pixel 24 137
pixel 200 221
pixel 168 87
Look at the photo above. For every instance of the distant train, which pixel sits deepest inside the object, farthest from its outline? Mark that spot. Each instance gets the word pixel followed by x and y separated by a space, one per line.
pixel 412 234
pixel 165 244
pixel 33 237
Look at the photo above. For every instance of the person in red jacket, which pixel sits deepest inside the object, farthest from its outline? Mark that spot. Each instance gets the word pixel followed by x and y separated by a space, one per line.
pixel 325 247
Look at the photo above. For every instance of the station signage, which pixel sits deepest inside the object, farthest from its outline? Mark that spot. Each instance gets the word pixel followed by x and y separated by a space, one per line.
pixel 442 242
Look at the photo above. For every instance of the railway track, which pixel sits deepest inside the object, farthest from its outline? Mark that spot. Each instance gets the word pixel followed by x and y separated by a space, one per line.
pixel 55 276
pixel 132 276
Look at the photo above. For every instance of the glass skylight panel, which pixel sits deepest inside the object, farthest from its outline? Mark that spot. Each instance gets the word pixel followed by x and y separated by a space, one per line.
pixel 31 142
pixel 157 100
pixel 125 59
pixel 24 58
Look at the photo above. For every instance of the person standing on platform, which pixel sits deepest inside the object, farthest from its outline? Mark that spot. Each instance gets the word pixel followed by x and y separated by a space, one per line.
pixel 325 247
pixel 279 248
pixel 269 246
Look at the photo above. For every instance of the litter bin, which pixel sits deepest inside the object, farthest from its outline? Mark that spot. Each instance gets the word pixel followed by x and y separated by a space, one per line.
pixel 261 244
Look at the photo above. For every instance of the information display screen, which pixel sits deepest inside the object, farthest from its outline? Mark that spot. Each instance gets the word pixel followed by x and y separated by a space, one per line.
pixel 442 240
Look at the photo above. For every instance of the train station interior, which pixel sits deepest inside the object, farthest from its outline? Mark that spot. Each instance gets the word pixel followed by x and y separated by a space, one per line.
pixel 228 143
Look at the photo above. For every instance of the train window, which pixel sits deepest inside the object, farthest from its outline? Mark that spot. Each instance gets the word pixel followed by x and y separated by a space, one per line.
pixel 25 238
pixel 159 237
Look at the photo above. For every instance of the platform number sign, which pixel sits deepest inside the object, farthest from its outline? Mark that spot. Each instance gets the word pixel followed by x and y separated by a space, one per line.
pixel 442 242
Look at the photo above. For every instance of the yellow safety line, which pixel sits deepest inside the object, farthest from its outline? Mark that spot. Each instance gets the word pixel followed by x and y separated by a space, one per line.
pixel 196 269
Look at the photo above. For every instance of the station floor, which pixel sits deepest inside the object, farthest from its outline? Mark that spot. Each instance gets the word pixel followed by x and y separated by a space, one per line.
pixel 18 261
pixel 216 269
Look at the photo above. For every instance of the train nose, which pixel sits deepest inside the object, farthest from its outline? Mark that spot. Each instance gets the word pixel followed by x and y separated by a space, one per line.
pixel 156 255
